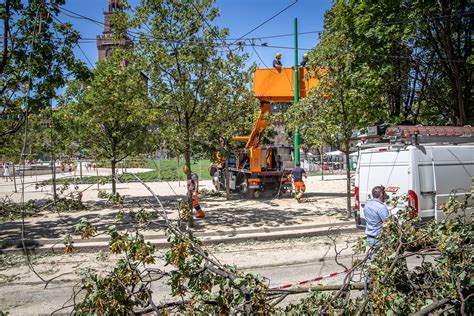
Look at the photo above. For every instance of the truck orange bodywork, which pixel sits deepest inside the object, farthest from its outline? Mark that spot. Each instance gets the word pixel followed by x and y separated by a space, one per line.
pixel 277 85
pixel 272 85
pixel 259 167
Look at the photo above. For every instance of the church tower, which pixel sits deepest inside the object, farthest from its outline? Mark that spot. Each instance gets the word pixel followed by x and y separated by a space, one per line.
pixel 105 43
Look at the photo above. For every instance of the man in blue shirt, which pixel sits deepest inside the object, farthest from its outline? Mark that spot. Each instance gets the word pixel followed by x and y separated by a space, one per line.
pixel 297 176
pixel 375 212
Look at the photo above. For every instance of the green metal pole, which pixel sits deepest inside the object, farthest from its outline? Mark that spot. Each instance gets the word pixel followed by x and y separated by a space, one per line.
pixel 297 90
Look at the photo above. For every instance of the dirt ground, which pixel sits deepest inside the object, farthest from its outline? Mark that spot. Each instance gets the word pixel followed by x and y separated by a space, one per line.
pixel 22 292
pixel 324 203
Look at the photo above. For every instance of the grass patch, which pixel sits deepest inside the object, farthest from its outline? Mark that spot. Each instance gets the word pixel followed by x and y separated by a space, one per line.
pixel 163 170
pixel 170 170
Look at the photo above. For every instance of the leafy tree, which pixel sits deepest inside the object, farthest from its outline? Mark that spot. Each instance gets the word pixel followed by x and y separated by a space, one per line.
pixel 422 50
pixel 36 59
pixel 446 29
pixel 231 113
pixel 346 97
pixel 380 39
pixel 186 60
pixel 112 113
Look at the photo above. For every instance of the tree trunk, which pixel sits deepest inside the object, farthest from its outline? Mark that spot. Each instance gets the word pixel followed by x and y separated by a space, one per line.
pixel 322 163
pixel 53 172
pixel 187 160
pixel 227 179
pixel 459 99
pixel 189 193
pixel 14 178
pixel 80 169
pixel 348 183
pixel 114 183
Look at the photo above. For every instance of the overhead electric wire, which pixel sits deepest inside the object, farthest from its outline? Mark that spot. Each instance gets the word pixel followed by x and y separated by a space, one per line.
pixel 288 34
pixel 89 41
pixel 83 53
pixel 78 44
pixel 261 60
pixel 77 15
pixel 85 40
pixel 267 20
pixel 234 40
pixel 271 69
pixel 210 27
pixel 291 48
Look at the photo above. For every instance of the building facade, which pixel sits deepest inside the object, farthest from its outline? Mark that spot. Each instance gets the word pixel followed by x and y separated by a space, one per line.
pixel 105 42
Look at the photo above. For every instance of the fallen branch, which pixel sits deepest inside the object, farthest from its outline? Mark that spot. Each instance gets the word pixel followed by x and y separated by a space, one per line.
pixel 169 305
pixel 431 307
pixel 323 287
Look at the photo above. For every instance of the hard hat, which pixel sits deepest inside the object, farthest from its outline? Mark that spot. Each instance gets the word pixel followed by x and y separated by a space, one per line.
pixel 277 55
pixel 305 55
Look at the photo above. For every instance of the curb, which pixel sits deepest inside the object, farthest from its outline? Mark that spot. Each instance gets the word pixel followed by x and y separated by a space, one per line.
pixel 161 242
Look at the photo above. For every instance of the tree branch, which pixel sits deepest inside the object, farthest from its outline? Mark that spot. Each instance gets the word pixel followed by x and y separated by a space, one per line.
pixel 6 32
pixel 431 307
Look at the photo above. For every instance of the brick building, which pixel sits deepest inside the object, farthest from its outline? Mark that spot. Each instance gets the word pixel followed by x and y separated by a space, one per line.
pixel 105 42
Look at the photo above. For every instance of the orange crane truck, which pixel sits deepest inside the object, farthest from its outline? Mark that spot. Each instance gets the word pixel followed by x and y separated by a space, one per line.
pixel 255 167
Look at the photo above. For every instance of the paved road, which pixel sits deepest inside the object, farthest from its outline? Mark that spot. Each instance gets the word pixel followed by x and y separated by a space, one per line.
pixel 285 261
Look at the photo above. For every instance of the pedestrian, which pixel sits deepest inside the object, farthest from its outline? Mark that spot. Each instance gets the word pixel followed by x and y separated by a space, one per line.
pixel 277 61
pixel 6 172
pixel 62 166
pixel 193 191
pixel 376 212
pixel 297 177
pixel 94 166
pixel 304 61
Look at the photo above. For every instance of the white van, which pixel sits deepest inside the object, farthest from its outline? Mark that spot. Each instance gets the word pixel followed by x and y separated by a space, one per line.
pixel 427 174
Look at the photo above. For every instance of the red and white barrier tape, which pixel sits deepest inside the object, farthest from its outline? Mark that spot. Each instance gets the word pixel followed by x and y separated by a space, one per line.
pixel 287 286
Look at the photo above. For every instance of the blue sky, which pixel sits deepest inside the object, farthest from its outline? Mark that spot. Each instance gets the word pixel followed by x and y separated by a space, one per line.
pixel 240 16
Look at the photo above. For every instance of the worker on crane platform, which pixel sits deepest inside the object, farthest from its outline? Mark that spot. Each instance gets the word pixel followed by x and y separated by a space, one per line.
pixel 193 191
pixel 298 184
pixel 304 61
pixel 277 61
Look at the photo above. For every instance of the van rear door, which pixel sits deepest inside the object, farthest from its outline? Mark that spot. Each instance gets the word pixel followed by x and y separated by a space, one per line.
pixel 382 167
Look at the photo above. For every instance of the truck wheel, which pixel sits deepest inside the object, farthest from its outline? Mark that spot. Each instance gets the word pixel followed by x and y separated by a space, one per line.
pixel 253 194
pixel 216 181
pixel 212 170
pixel 242 184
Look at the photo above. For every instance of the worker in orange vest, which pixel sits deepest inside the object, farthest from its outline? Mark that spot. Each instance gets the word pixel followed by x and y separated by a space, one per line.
pixel 193 191
pixel 297 177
